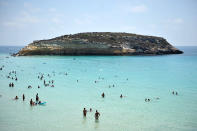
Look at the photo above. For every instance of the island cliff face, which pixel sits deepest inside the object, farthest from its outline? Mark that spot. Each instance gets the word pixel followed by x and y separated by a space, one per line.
pixel 100 43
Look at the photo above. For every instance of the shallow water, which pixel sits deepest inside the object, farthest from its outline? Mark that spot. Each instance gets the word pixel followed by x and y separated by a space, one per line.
pixel 136 77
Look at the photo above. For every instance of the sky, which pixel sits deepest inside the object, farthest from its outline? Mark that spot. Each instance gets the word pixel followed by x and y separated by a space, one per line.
pixel 23 21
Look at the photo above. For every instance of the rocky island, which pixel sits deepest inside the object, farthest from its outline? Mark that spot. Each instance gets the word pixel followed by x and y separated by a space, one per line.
pixel 100 43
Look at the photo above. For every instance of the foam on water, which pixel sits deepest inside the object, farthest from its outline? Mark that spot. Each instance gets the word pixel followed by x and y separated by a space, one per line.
pixel 148 77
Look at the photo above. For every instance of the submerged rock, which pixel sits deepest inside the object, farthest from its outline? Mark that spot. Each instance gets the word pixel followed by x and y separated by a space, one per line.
pixel 100 43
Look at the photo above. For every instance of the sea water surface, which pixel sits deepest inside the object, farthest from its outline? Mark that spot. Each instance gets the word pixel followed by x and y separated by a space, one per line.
pixel 136 77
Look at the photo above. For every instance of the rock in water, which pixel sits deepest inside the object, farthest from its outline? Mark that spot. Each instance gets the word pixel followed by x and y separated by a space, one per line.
pixel 100 43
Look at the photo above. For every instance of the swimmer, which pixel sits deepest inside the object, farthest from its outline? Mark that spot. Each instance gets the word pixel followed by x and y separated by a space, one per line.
pixel 16 98
pixel 84 112
pixel 121 96
pixel 176 93
pixel 90 109
pixel 97 114
pixel 146 100
pixel 173 92
pixel 38 86
pixel 103 95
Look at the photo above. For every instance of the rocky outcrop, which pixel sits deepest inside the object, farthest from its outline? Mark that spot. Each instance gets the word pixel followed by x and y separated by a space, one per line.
pixel 100 43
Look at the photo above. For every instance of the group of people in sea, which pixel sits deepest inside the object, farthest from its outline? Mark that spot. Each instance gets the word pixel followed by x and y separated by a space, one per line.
pixel 12 75
pixel 38 102
pixel 103 95
pixel 96 115
pixel 11 84
pixel 50 82
pixel 32 103
pixel 174 93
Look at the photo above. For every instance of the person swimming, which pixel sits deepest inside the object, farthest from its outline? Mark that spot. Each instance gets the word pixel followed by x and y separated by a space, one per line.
pixel 173 92
pixel 23 97
pixel 97 114
pixel 16 98
pixel 84 112
pixel 90 109
pixel 29 86
pixel 103 95
pixel 176 93
pixel 121 96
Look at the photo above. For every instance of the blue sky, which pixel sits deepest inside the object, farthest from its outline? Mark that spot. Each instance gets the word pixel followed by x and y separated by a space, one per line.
pixel 22 21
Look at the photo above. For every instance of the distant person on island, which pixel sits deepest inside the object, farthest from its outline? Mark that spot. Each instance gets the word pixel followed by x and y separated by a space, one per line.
pixel 97 114
pixel 84 112
pixel 103 95
pixel 23 97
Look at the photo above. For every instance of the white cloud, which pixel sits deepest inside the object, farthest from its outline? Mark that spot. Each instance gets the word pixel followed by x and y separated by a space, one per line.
pixel 30 8
pixel 52 10
pixel 57 20
pixel 178 20
pixel 139 9
pixel 84 20
pixel 175 21
pixel 28 18
pixel 22 20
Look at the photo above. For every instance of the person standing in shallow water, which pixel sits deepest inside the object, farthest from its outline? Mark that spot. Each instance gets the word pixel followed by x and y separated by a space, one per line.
pixel 103 95
pixel 97 114
pixel 84 112
pixel 23 97
pixel 37 98
pixel 31 102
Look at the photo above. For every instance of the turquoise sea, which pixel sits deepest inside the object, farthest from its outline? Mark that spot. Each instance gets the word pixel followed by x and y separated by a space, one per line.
pixel 136 77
